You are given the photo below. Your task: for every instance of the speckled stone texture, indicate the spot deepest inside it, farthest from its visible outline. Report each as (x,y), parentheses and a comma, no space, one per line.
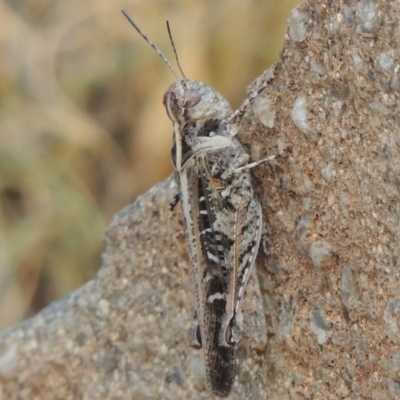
(329,264)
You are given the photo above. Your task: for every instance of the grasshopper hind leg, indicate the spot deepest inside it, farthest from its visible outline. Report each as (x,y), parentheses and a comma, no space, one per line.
(254,323)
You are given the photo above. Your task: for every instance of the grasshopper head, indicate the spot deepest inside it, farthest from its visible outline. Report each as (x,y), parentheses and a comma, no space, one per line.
(188,100)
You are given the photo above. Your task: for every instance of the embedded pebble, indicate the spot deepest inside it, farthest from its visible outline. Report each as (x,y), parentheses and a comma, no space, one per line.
(391,316)
(317,68)
(297,26)
(347,286)
(265,111)
(367,18)
(320,250)
(299,115)
(386,62)
(9,362)
(327,173)
(319,327)
(357,61)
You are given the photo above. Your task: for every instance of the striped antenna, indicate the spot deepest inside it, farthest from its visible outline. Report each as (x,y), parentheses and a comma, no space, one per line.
(173,46)
(152,44)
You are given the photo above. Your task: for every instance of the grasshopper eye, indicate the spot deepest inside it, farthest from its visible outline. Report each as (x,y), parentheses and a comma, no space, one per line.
(189,99)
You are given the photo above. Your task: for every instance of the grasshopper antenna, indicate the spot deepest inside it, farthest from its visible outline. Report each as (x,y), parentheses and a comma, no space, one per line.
(175,52)
(151,44)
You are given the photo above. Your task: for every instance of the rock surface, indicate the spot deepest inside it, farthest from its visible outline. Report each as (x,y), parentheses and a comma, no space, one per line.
(329,263)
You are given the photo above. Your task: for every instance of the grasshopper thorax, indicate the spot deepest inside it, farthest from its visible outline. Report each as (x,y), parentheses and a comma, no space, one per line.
(198,113)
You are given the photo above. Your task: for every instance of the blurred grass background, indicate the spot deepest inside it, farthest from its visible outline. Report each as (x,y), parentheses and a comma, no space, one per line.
(82,127)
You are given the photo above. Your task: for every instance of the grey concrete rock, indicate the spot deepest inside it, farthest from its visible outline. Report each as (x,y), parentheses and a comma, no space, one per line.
(329,263)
